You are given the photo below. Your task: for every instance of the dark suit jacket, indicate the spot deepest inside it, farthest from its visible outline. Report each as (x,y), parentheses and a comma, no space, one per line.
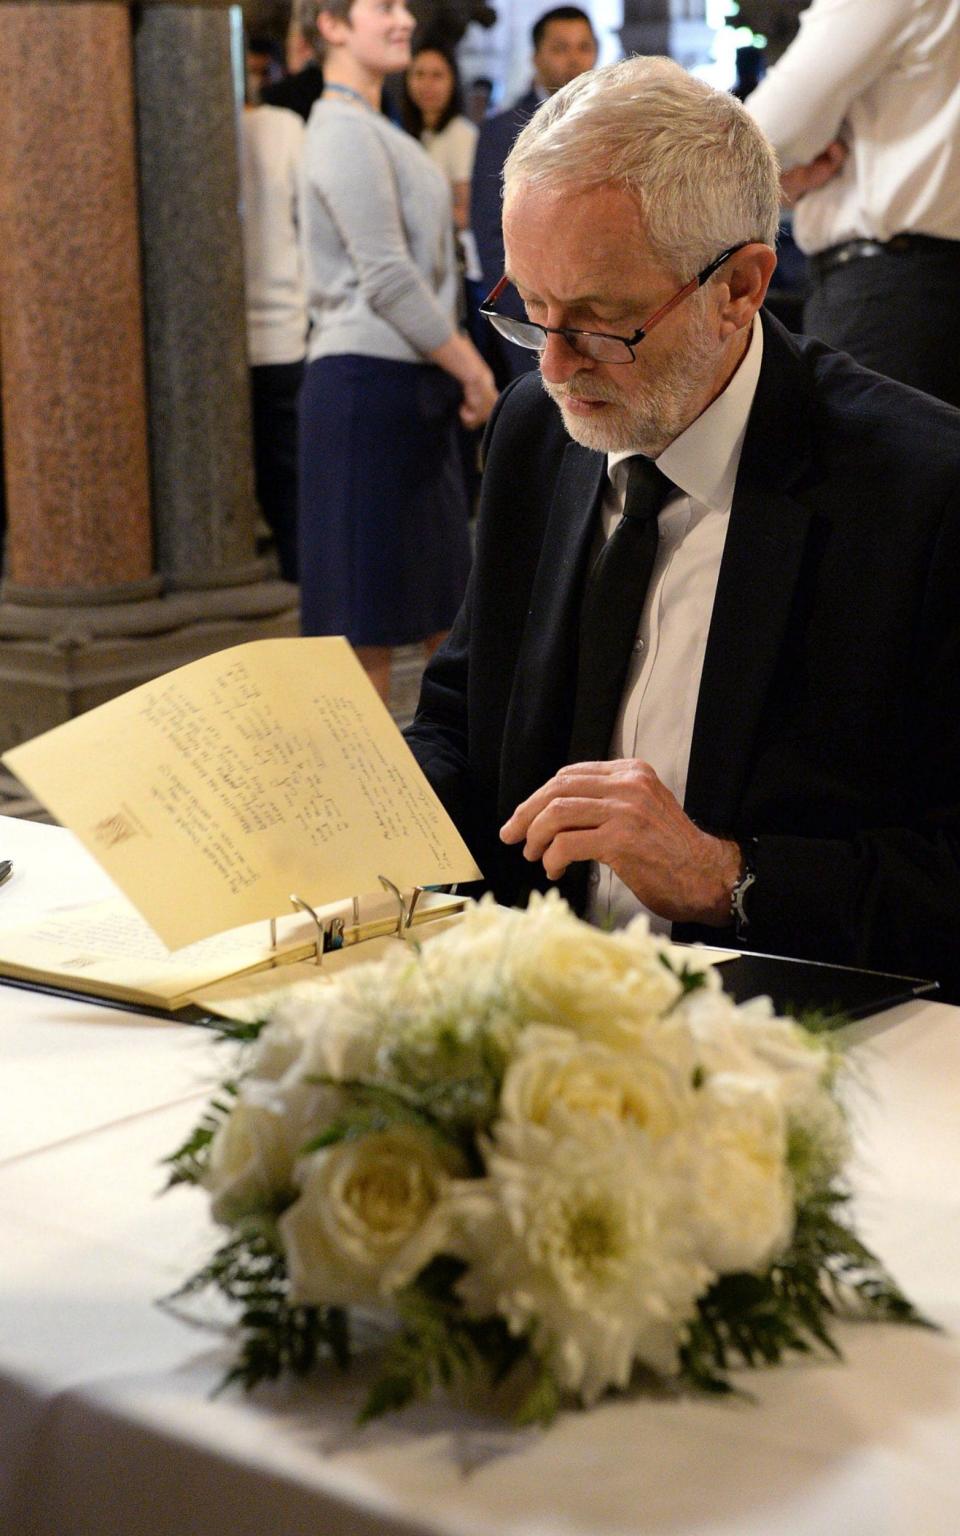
(828,723)
(296,92)
(494,143)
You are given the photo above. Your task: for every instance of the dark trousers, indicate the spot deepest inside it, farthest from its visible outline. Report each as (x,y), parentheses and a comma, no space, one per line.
(274,390)
(898,313)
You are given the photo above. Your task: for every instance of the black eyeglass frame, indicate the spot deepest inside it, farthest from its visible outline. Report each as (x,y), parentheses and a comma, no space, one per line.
(569,334)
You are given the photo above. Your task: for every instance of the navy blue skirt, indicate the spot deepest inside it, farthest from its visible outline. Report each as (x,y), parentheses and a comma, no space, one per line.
(384,542)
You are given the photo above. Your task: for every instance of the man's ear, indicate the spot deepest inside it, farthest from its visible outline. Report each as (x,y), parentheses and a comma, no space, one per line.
(746,277)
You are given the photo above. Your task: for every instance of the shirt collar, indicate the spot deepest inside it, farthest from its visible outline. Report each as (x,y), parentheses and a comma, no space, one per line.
(703,461)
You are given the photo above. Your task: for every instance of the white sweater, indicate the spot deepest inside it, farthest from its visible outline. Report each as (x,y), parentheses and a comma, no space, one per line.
(378,238)
(271,148)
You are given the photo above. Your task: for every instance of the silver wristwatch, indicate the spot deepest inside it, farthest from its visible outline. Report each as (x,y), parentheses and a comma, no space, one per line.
(746,879)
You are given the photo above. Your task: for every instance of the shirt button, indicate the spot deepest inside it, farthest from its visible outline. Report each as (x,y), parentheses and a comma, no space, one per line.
(639,645)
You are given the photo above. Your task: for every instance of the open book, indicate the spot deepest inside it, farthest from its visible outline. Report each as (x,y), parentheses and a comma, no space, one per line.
(257,808)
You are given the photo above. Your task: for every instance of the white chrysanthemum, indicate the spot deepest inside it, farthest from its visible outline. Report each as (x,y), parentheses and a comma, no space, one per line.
(575,1241)
(461,1028)
(369,1216)
(280,1042)
(346,1033)
(742,1194)
(556,1077)
(781,1046)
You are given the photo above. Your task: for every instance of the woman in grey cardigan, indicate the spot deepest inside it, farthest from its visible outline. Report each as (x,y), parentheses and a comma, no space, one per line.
(384,549)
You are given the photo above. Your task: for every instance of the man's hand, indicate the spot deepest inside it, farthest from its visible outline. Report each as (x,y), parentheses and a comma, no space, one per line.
(620,814)
(801,179)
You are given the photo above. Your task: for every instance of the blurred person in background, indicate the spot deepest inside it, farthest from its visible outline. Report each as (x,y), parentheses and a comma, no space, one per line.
(303,82)
(564,46)
(863,109)
(271,144)
(384,542)
(478,98)
(262,66)
(431,109)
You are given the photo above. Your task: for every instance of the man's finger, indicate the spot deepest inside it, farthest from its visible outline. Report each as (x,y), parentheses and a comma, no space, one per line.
(583,779)
(569,848)
(562,814)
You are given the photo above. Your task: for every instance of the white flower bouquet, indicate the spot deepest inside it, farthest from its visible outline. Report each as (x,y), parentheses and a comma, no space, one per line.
(547,1154)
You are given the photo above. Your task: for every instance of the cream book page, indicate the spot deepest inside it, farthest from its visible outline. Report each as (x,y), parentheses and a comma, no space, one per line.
(215,792)
(108,950)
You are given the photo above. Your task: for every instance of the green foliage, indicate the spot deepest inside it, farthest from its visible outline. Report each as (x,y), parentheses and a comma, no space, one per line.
(189,1162)
(818,1021)
(444,1110)
(438,1345)
(543,1401)
(690,979)
(276,1336)
(760,1319)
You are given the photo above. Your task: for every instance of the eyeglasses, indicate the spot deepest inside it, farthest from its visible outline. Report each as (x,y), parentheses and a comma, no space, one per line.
(600,345)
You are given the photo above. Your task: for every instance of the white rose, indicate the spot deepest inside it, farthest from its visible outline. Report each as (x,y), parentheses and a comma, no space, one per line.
(605,986)
(555,1075)
(368,1218)
(252,1154)
(742,1194)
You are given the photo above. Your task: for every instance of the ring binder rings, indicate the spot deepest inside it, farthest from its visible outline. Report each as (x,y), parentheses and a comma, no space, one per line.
(108,953)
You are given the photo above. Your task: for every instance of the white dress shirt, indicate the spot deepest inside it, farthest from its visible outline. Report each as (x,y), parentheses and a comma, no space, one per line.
(655,722)
(884,76)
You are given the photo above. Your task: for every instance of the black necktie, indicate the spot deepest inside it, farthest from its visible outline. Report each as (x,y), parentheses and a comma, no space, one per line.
(612,601)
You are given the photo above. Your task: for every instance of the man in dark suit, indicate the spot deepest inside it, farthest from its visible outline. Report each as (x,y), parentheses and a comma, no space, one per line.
(302,85)
(564,46)
(782,757)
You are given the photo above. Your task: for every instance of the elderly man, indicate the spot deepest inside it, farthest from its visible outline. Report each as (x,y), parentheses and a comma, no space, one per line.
(707,665)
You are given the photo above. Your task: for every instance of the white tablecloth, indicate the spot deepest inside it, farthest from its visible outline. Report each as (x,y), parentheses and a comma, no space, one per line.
(108,1428)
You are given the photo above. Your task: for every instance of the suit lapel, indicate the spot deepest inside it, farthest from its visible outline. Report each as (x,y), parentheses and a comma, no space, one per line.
(537,726)
(761,565)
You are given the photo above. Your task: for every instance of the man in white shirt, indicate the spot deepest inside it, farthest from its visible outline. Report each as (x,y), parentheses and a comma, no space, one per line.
(271,144)
(864,111)
(734,705)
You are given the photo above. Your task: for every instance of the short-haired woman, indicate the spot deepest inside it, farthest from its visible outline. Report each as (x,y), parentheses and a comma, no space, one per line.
(384,544)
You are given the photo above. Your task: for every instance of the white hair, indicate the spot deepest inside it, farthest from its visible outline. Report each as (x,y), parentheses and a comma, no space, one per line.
(702,172)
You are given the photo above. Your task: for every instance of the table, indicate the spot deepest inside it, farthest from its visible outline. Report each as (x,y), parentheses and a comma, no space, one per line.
(108,1428)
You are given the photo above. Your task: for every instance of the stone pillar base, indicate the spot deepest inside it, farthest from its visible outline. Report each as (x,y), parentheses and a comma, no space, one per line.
(58,661)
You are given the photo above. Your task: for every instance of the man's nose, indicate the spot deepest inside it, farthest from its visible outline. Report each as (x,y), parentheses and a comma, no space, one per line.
(558,360)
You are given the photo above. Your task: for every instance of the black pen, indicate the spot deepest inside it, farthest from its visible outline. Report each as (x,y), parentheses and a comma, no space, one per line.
(6,870)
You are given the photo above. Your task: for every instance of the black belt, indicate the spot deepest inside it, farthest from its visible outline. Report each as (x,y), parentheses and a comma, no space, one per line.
(855,250)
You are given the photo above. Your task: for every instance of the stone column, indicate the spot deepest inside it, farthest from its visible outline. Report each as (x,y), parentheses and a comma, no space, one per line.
(188,133)
(74,409)
(89,604)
